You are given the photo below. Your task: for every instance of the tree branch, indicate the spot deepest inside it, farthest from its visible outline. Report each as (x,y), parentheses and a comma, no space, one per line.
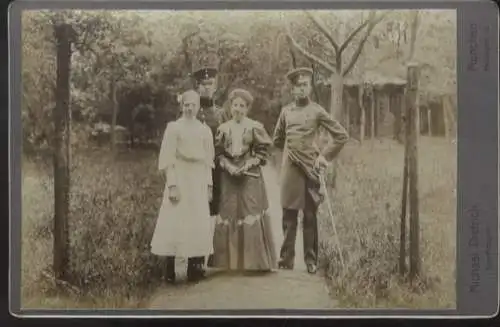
(373,22)
(321,26)
(414,27)
(308,55)
(355,32)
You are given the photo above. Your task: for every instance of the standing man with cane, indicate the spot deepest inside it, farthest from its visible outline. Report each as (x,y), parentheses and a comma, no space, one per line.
(204,74)
(295,133)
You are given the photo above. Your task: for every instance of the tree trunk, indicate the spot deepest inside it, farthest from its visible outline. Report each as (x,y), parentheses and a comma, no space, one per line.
(336,90)
(413,37)
(413,110)
(61,152)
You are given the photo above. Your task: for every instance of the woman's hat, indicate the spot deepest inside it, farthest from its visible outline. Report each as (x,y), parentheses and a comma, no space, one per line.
(241,93)
(189,94)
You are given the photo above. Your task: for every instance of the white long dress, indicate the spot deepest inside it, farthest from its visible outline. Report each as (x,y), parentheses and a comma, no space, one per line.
(184,229)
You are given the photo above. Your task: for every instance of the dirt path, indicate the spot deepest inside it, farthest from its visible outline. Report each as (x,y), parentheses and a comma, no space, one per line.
(278,290)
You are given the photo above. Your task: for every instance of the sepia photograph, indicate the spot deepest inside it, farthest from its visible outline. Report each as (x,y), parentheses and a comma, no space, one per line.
(238,159)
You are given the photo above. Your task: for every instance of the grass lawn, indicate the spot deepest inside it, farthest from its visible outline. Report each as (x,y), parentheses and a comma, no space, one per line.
(115,202)
(367,208)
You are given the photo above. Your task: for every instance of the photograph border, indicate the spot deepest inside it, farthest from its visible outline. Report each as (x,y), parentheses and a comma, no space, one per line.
(477,139)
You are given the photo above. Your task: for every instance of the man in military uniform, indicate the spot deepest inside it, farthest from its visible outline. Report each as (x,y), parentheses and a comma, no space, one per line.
(296,131)
(204,74)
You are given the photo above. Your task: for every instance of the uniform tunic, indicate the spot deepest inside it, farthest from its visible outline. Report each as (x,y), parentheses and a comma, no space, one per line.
(296,133)
(187,155)
(213,116)
(243,238)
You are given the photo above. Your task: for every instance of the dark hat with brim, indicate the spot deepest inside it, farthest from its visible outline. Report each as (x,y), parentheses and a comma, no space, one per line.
(299,72)
(205,66)
(204,73)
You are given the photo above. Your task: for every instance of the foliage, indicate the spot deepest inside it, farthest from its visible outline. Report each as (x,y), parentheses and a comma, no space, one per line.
(149,56)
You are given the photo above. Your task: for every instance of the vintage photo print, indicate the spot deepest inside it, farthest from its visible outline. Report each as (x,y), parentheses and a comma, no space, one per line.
(169,160)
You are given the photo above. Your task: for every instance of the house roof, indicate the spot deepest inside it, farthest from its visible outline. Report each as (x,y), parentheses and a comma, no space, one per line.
(372,78)
(375,79)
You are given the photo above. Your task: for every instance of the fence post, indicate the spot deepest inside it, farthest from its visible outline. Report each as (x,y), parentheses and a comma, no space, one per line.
(404,194)
(63,34)
(413,112)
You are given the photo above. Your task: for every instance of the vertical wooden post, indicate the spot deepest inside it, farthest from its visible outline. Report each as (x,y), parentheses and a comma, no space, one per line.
(404,193)
(413,112)
(403,116)
(372,113)
(446,122)
(418,121)
(376,113)
(429,121)
(61,152)
(362,109)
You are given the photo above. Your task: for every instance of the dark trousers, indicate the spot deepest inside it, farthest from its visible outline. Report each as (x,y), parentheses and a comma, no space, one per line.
(310,234)
(215,203)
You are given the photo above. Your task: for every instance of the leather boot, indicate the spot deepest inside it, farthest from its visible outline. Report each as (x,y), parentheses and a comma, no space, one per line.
(170,271)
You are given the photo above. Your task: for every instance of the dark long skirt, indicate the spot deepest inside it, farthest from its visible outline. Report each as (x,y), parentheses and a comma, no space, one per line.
(243,239)
(216,180)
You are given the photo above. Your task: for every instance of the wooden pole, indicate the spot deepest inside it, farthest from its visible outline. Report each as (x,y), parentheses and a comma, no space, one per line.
(61,152)
(413,110)
(404,198)
(402,118)
(372,113)
(362,122)
(418,119)
(429,121)
(446,122)
(376,112)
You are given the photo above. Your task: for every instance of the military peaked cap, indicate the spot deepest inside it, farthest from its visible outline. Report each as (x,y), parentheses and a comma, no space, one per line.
(298,72)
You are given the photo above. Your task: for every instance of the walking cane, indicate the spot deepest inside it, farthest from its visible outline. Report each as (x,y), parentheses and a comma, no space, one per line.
(330,212)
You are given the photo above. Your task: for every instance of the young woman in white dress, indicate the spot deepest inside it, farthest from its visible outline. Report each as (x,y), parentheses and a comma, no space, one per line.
(183,228)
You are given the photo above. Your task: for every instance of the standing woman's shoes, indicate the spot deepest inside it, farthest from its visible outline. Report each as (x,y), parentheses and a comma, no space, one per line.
(286,266)
(210,260)
(170,273)
(195,271)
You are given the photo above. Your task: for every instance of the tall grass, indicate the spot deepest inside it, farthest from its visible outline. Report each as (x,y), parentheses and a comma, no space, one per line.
(115,200)
(113,206)
(367,208)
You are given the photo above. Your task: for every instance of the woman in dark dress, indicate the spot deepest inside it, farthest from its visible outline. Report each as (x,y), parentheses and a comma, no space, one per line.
(243,239)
